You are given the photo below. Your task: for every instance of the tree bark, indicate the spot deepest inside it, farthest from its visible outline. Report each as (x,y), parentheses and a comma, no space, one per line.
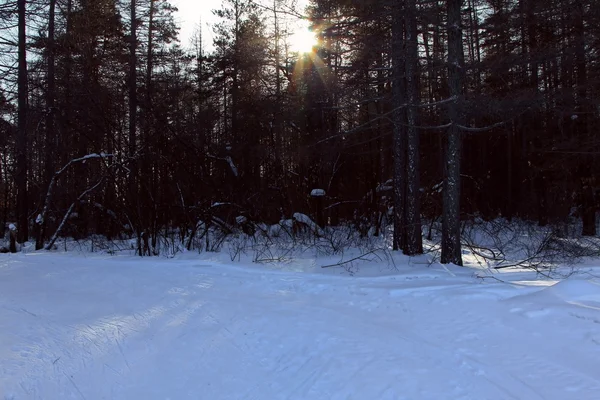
(146,174)
(588,206)
(133,103)
(132,80)
(414,240)
(399,129)
(50,127)
(277,128)
(21,175)
(12,247)
(451,248)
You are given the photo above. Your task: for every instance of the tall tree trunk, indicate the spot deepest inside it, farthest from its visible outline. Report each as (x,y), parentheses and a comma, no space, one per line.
(235,76)
(399,119)
(21,175)
(67,114)
(588,206)
(145,175)
(133,177)
(50,127)
(278,117)
(451,249)
(132,80)
(3,184)
(414,240)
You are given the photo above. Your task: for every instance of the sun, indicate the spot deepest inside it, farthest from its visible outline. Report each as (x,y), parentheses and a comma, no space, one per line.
(303,40)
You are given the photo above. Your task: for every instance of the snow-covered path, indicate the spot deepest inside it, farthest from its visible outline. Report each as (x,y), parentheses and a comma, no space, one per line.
(122,328)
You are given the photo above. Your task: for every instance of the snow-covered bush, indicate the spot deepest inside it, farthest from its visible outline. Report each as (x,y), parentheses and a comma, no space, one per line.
(502,244)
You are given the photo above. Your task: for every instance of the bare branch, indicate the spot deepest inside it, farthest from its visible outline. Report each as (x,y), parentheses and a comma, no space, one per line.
(70,210)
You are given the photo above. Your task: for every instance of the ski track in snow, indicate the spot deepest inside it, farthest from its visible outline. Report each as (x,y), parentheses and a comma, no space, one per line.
(123,328)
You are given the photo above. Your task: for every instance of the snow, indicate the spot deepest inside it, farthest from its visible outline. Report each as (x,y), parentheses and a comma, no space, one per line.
(317,193)
(234,169)
(284,226)
(384,188)
(90,156)
(197,326)
(305,219)
(388,185)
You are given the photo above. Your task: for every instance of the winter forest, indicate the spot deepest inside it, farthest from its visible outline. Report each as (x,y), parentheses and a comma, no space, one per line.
(407,118)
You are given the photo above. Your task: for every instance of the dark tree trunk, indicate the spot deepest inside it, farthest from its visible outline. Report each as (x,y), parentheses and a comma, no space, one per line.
(234,105)
(21,175)
(276,135)
(12,246)
(67,114)
(132,82)
(50,126)
(399,119)
(588,208)
(414,240)
(451,249)
(146,176)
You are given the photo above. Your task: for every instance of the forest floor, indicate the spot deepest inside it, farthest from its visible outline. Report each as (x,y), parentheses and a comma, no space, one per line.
(76,326)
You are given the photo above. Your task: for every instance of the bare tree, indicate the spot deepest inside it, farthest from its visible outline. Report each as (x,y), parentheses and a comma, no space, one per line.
(414,240)
(50,115)
(132,129)
(451,249)
(399,119)
(21,175)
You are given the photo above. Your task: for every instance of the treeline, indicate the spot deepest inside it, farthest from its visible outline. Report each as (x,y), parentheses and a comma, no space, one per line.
(404,110)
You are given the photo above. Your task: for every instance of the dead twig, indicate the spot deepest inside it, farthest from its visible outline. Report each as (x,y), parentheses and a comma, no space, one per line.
(360,257)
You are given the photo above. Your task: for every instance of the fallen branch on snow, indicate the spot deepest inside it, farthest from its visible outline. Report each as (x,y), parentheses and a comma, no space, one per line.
(357,258)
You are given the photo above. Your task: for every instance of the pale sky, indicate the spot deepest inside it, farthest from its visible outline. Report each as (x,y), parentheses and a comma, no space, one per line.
(189,16)
(192,11)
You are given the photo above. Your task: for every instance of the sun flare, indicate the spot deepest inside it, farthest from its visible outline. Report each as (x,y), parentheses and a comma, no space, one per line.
(303,40)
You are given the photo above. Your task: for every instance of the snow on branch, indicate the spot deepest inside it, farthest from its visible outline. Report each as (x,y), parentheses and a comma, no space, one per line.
(70,211)
(227,203)
(42,216)
(305,219)
(232,165)
(229,161)
(82,160)
(483,128)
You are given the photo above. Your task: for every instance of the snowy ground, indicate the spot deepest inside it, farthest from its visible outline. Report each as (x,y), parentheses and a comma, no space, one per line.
(75,327)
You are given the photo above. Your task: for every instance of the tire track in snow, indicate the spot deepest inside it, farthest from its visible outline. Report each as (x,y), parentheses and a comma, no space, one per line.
(231,337)
(528,373)
(96,344)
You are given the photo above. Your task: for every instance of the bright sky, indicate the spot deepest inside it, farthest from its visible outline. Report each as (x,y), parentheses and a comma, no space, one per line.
(192,11)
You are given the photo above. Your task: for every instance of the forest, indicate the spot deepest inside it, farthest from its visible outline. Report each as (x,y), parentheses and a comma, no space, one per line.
(405,115)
